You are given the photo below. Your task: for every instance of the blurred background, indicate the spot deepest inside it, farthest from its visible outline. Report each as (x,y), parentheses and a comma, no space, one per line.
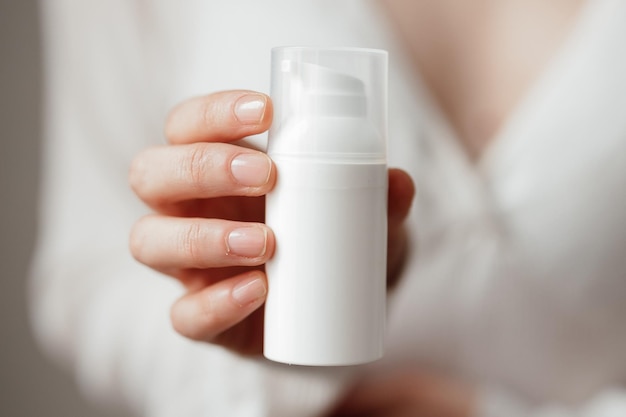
(29,384)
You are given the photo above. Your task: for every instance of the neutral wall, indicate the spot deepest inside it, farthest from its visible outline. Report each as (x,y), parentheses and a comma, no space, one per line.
(29,385)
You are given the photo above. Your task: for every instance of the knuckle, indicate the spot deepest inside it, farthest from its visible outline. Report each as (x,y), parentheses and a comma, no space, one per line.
(188,243)
(196,165)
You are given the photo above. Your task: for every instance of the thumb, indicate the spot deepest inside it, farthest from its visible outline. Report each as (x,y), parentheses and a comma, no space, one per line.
(400,198)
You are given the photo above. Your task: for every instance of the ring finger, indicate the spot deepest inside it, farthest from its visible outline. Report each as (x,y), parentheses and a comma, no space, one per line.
(163,242)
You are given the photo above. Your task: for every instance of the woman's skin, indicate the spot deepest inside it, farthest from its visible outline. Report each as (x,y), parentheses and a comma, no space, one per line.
(477,59)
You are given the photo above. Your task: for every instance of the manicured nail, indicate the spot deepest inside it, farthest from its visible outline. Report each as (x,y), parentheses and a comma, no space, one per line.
(250,109)
(249,291)
(250,242)
(251,169)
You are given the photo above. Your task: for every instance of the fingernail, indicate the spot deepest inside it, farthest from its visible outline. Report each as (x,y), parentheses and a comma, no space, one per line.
(247,292)
(251,169)
(249,109)
(249,242)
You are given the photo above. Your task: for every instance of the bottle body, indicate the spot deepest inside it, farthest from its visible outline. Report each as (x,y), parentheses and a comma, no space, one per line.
(327,278)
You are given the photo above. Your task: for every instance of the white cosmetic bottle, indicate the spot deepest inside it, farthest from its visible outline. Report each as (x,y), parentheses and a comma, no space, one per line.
(328,211)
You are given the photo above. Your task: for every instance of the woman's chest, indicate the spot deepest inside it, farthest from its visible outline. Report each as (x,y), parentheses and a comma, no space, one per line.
(479,58)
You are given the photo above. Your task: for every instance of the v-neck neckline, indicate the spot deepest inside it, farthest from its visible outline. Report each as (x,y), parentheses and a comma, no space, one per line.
(468,188)
(509,131)
(516,123)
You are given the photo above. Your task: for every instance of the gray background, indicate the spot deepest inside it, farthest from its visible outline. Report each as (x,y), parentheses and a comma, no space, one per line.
(29,385)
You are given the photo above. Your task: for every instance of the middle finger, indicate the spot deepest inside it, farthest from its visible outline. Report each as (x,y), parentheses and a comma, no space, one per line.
(169,174)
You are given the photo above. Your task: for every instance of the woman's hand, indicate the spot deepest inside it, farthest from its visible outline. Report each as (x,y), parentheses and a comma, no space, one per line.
(207,230)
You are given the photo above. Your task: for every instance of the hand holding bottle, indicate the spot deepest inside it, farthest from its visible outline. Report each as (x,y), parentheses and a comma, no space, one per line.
(207,230)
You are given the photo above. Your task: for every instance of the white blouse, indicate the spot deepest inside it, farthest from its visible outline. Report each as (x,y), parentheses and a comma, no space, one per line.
(516,278)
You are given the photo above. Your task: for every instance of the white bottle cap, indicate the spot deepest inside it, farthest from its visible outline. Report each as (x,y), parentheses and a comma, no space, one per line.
(309,83)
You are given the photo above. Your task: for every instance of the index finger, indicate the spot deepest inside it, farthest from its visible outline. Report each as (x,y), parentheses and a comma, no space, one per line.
(219,117)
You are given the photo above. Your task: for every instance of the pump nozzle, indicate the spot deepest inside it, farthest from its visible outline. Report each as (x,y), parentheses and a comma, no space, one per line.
(324,91)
